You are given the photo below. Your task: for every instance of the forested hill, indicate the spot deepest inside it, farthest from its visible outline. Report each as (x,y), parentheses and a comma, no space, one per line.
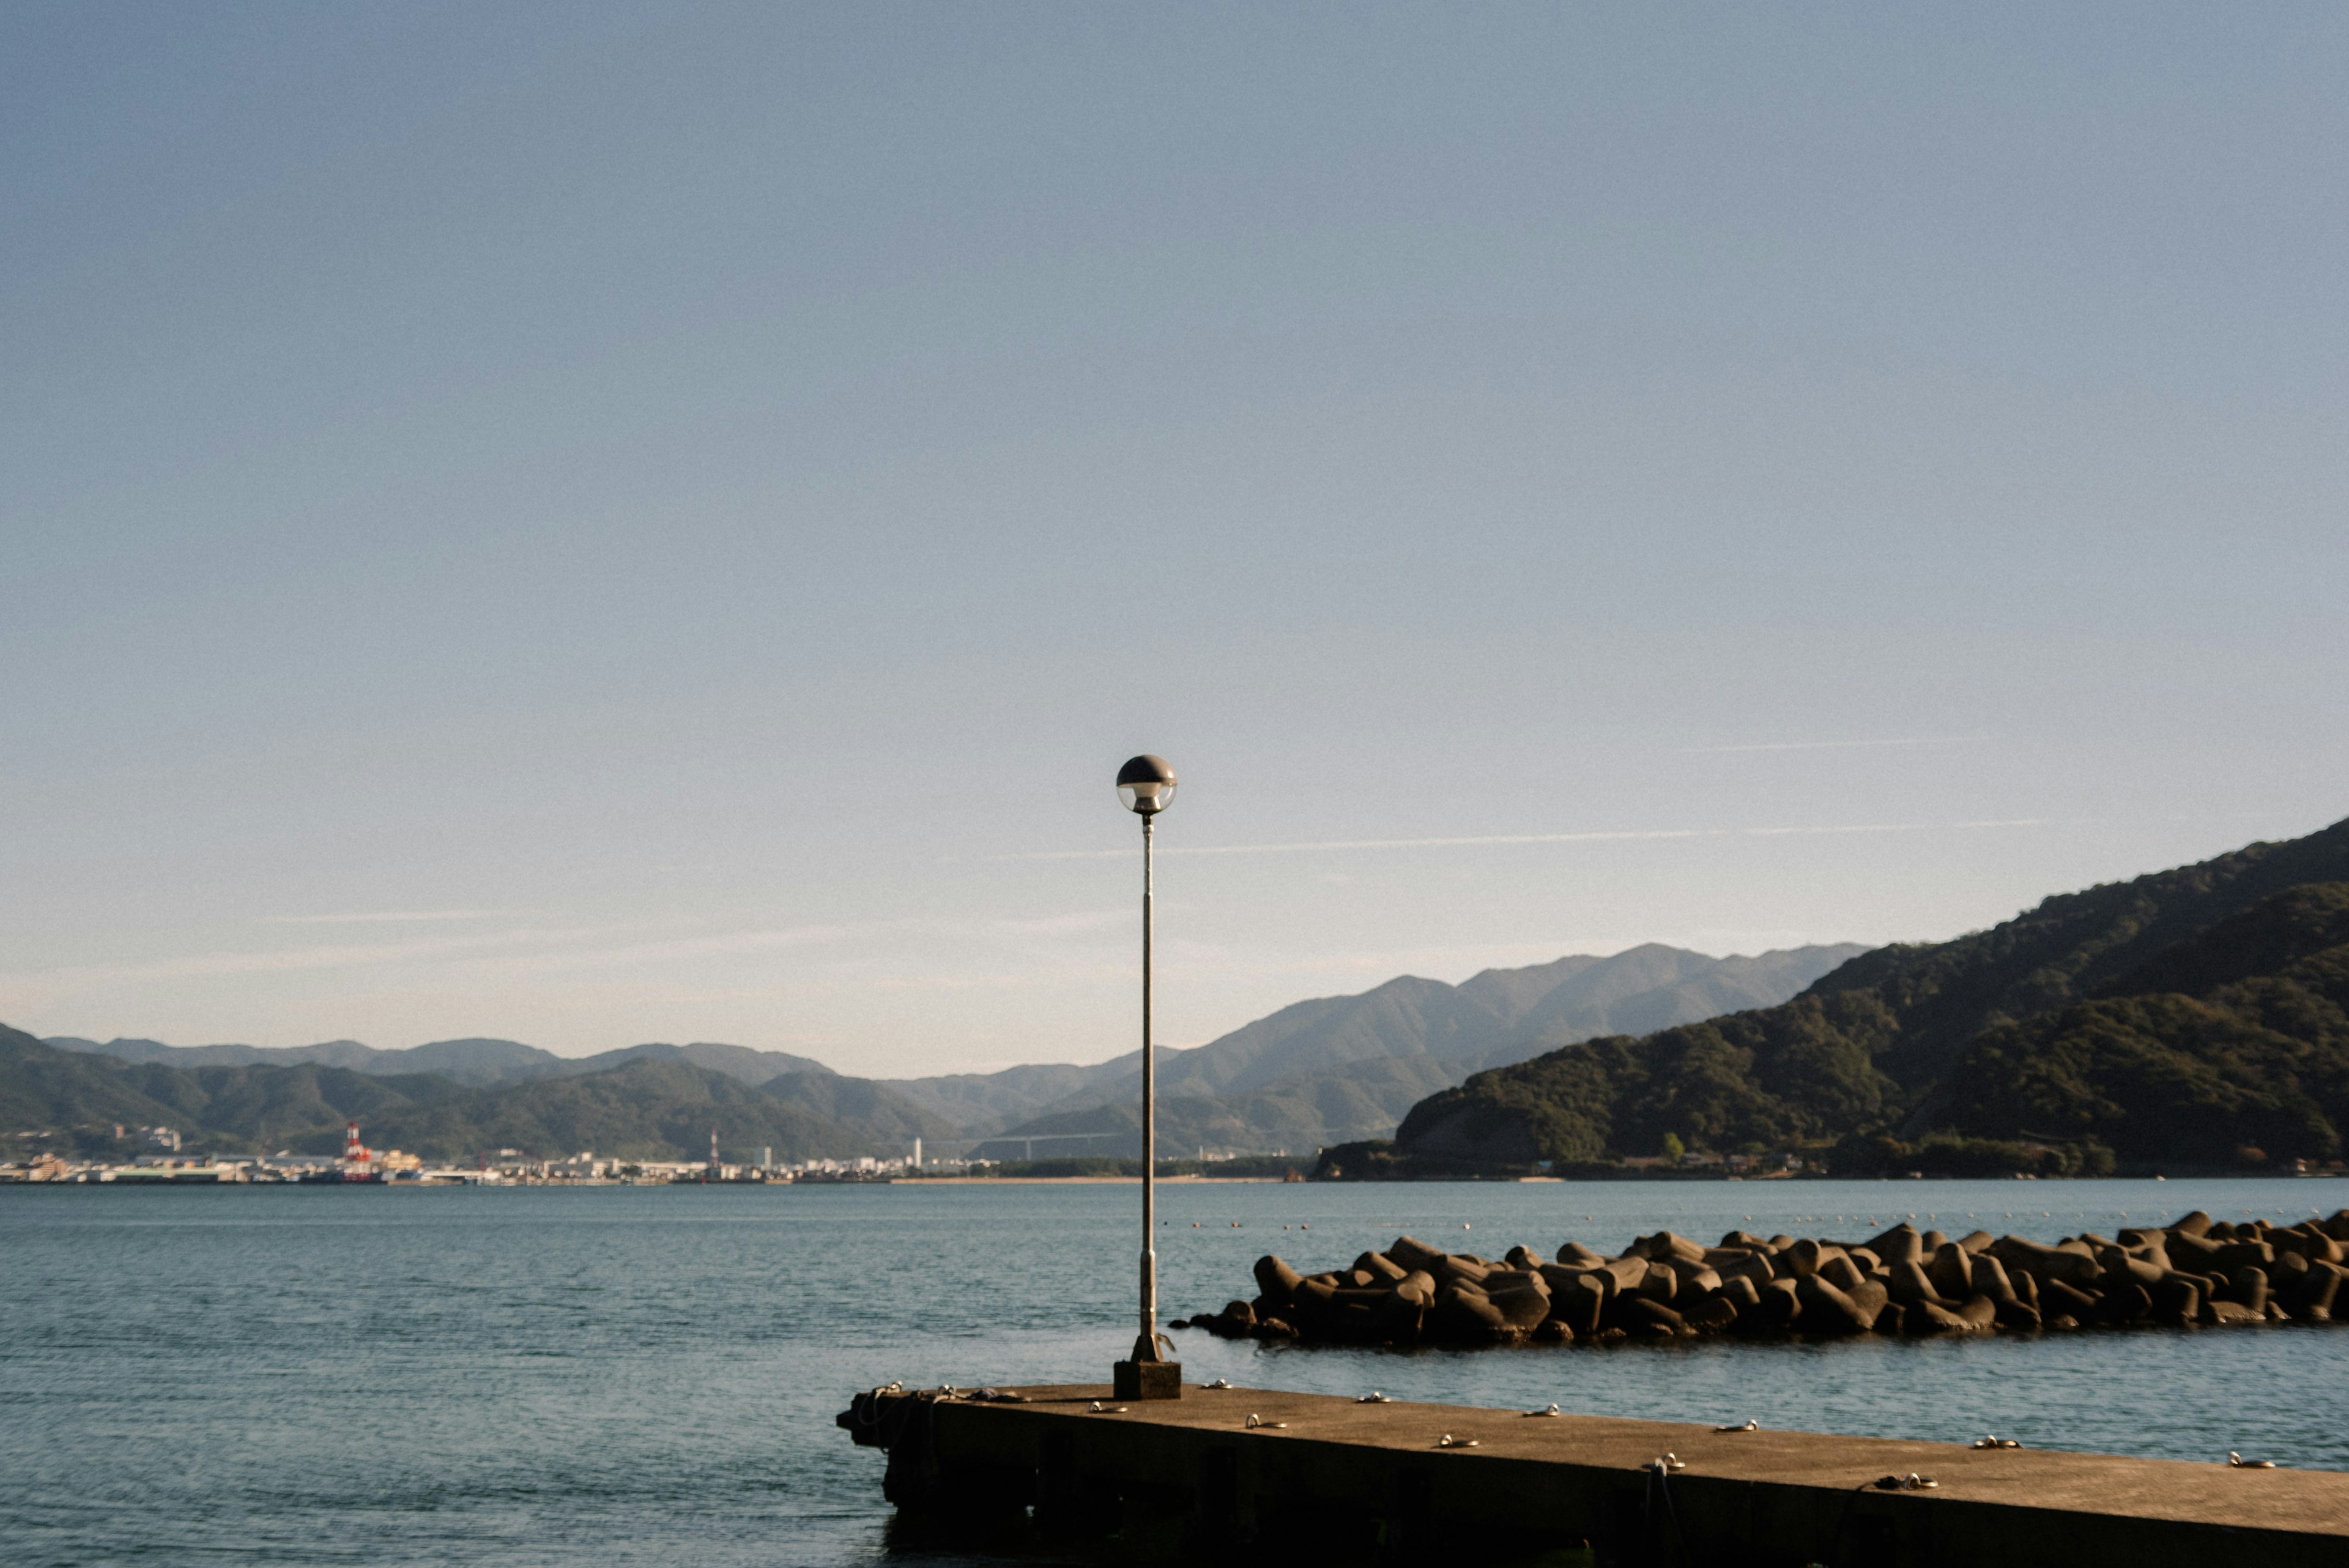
(2199,1016)
(645,1108)
(1311,1074)
(481,1062)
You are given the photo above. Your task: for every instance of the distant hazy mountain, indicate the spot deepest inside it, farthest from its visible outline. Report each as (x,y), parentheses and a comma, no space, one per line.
(1298,1115)
(872,1110)
(1314,1072)
(1321,1072)
(1500,1015)
(656,1107)
(79,1096)
(737,1061)
(649,1108)
(459,1061)
(989,1102)
(332,1053)
(473,1061)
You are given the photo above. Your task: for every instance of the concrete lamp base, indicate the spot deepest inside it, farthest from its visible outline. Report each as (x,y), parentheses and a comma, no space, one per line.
(1137,1380)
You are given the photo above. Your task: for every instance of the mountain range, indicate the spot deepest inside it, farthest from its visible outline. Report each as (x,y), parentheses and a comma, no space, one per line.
(2196,1018)
(477,1062)
(1315,1073)
(645,1108)
(1329,1070)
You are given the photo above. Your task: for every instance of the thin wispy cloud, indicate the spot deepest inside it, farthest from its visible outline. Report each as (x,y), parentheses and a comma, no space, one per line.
(718,944)
(1831,746)
(293,960)
(513,956)
(389,917)
(1079,923)
(1485,839)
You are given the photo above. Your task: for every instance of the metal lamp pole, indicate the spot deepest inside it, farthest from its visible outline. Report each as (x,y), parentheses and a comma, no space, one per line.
(1149,1116)
(1146,785)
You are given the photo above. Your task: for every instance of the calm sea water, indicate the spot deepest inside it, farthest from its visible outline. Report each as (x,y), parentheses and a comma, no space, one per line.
(648,1375)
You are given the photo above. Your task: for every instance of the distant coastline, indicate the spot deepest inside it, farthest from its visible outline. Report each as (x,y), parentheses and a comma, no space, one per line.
(1081,1180)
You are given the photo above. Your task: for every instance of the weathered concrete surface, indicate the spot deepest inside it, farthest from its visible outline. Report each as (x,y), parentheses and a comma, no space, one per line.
(1188,1478)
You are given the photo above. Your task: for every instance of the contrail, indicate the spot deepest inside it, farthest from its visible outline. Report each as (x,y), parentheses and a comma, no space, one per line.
(1493,838)
(1829,745)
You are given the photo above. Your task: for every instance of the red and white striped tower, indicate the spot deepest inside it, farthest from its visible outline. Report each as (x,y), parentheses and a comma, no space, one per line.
(358,1158)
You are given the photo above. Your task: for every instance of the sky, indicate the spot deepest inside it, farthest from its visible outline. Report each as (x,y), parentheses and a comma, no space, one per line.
(590,524)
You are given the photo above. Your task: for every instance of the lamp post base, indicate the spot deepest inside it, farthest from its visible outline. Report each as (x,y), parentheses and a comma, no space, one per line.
(1137,1380)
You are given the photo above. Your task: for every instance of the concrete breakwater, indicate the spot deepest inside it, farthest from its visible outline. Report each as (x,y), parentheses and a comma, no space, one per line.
(1226,1475)
(1906,1282)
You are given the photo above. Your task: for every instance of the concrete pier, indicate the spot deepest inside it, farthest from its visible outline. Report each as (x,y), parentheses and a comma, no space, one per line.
(1193,1480)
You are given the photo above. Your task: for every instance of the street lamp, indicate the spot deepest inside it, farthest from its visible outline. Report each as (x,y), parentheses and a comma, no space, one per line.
(1145,785)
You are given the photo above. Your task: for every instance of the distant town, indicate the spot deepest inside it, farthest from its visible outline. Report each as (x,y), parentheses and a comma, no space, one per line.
(162,1162)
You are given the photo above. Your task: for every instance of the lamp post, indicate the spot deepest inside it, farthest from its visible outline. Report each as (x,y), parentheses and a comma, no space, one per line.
(1147,787)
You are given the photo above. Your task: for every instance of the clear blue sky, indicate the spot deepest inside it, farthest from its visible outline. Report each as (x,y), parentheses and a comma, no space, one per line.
(593,524)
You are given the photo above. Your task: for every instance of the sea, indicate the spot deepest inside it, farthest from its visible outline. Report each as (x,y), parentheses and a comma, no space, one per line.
(646,1378)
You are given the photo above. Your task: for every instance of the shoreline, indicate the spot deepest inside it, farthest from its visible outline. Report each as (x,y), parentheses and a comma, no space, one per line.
(1068,1180)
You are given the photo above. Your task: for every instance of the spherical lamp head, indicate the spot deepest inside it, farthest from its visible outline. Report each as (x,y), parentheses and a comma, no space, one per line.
(1146,785)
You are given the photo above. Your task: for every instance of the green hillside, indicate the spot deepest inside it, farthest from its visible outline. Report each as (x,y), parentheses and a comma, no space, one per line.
(647,1109)
(874,1110)
(42,1088)
(641,1110)
(2232,1045)
(2193,1017)
(79,1098)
